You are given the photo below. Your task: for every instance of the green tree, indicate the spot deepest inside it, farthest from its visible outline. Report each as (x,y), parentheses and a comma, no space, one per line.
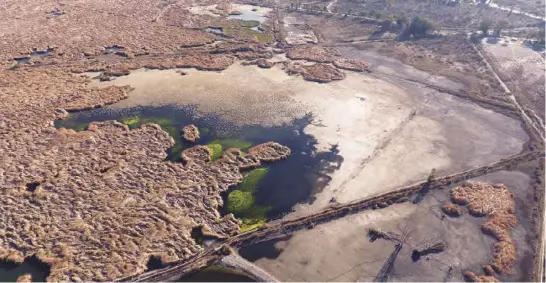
(484,26)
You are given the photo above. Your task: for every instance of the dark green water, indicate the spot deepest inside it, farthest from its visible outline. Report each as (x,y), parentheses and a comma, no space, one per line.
(9,271)
(216,274)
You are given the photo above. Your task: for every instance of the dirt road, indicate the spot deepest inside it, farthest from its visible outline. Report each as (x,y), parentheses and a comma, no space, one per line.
(538,129)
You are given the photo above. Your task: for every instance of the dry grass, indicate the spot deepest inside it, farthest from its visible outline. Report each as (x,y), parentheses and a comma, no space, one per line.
(451,209)
(352,65)
(111,199)
(190,133)
(27,277)
(497,203)
(87,27)
(473,277)
(312,53)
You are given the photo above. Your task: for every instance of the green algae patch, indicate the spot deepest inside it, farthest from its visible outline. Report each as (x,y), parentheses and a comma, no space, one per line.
(80,127)
(252,178)
(252,224)
(242,201)
(137,121)
(233,143)
(130,121)
(216,150)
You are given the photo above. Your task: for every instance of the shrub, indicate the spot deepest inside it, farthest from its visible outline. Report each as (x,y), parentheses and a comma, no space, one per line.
(419,27)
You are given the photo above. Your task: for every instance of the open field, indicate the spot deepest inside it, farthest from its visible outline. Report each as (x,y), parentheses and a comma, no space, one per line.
(365,137)
(521,68)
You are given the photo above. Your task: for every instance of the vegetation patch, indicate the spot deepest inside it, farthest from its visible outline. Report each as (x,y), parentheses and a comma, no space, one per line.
(248,24)
(263,37)
(216,150)
(242,201)
(252,178)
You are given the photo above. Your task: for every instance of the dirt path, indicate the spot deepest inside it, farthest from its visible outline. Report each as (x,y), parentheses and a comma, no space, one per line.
(537,128)
(329,6)
(516,11)
(162,12)
(234,261)
(380,147)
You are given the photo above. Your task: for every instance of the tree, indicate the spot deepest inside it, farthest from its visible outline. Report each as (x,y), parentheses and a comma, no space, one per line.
(500,26)
(484,26)
(402,21)
(419,27)
(540,35)
(387,24)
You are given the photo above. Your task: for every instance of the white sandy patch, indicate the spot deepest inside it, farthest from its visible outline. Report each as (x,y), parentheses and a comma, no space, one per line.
(204,10)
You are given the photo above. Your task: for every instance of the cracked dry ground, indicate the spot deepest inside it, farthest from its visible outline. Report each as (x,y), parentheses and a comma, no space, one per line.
(96,204)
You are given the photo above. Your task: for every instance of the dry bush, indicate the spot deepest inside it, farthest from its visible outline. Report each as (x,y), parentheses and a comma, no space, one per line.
(190,133)
(322,73)
(27,277)
(312,53)
(352,65)
(497,203)
(451,209)
(473,277)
